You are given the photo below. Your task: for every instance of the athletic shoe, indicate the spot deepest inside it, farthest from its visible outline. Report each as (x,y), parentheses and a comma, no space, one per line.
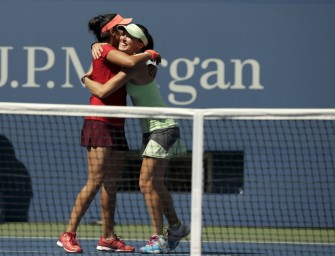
(69,242)
(174,236)
(156,245)
(113,245)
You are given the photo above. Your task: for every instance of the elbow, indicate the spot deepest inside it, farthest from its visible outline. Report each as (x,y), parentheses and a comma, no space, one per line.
(102,95)
(99,93)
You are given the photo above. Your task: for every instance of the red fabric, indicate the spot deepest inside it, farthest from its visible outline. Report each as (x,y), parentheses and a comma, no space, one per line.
(101,134)
(153,53)
(103,70)
(118,20)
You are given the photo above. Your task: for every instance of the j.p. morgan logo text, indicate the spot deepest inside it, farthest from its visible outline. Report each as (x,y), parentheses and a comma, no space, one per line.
(187,76)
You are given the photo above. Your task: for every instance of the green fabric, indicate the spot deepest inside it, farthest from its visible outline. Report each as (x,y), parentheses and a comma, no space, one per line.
(149,96)
(153,149)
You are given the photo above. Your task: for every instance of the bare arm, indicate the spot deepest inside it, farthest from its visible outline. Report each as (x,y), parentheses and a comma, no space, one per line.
(104,90)
(128,61)
(122,59)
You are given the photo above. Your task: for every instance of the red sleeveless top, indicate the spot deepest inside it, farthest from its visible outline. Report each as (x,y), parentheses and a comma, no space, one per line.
(103,70)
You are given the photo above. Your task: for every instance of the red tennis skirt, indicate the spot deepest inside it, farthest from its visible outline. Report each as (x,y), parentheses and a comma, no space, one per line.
(96,133)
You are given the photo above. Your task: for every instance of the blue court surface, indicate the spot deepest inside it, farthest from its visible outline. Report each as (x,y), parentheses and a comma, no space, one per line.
(47,246)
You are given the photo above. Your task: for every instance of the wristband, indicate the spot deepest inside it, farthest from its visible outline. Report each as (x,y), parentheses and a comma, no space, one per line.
(153,53)
(83,79)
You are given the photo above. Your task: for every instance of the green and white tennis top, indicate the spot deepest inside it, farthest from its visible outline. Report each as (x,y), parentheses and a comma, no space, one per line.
(148,95)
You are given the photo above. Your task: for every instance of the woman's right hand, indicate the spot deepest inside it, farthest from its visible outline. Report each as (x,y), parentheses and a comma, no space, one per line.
(96,50)
(155,56)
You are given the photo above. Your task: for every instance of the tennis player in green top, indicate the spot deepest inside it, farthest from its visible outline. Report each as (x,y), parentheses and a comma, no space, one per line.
(161,140)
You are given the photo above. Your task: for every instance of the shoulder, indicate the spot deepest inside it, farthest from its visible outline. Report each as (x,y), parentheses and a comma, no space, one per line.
(106,49)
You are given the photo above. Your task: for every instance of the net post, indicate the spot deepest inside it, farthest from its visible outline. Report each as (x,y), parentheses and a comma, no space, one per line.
(197,181)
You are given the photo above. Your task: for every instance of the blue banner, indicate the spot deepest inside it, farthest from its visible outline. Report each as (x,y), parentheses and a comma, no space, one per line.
(221,54)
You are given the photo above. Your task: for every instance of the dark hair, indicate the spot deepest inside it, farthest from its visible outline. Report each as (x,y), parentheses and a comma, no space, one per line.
(97,23)
(150,44)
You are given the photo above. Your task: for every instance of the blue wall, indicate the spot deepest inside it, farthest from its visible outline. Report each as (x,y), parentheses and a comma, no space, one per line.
(215,53)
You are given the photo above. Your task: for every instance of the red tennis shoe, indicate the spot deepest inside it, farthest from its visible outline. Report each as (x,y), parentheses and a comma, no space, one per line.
(114,245)
(69,242)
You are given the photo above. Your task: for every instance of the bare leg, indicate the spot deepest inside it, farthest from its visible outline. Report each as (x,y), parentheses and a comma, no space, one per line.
(86,195)
(109,190)
(157,197)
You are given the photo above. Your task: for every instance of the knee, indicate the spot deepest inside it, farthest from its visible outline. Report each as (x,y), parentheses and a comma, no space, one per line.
(145,185)
(148,185)
(95,183)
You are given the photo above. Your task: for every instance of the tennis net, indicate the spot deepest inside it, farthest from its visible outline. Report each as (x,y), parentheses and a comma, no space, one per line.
(254,181)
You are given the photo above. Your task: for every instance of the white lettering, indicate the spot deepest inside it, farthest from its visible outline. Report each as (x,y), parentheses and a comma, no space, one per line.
(180,88)
(255,67)
(186,79)
(4,64)
(71,56)
(218,74)
(31,64)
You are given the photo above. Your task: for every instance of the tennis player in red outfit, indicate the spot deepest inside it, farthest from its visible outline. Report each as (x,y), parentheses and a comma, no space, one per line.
(104,139)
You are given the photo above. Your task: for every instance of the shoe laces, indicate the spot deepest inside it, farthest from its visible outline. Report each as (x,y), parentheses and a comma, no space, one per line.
(117,239)
(72,239)
(152,240)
